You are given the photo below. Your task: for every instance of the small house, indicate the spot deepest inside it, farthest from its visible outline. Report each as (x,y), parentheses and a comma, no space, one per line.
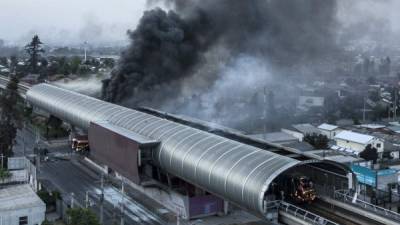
(20,205)
(358,142)
(329,130)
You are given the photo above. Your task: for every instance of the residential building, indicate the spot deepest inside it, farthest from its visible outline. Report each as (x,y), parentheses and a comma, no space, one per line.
(307,102)
(329,130)
(19,205)
(300,130)
(358,142)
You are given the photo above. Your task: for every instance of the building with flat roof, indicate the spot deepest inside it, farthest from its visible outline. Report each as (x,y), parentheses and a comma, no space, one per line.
(19,205)
(329,130)
(357,142)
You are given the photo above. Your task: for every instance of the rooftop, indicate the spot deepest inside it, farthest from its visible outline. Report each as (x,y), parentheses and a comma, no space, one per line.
(302,146)
(343,158)
(141,140)
(354,137)
(275,137)
(373,126)
(306,128)
(327,127)
(19,197)
(395,129)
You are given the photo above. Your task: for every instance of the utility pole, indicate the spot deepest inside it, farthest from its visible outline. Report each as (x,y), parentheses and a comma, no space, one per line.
(87,199)
(395,105)
(72,200)
(102,199)
(37,137)
(23,139)
(265,114)
(364,111)
(122,202)
(85,49)
(2,160)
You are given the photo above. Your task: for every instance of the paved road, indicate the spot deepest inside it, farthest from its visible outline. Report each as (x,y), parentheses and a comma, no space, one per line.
(71,177)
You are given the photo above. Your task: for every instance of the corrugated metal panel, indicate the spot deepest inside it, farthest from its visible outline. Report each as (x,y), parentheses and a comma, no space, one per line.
(237,172)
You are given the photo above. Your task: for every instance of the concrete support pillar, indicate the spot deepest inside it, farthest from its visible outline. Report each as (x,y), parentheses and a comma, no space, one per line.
(226,207)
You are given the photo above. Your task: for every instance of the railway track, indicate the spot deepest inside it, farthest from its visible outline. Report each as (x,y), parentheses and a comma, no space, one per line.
(23,87)
(337,214)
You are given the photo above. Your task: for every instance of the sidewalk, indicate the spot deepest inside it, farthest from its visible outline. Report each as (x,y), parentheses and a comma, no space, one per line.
(237,217)
(163,213)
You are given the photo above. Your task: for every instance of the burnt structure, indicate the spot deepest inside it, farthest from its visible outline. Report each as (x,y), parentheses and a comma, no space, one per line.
(119,148)
(229,168)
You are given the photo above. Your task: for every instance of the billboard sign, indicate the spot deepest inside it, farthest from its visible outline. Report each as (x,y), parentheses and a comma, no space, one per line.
(365,175)
(379,178)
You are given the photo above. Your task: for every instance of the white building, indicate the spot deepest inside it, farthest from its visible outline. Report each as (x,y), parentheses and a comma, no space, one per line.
(300,130)
(329,130)
(357,142)
(19,205)
(306,102)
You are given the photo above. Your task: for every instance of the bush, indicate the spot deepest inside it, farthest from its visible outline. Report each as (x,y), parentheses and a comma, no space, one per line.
(46,222)
(4,174)
(49,198)
(370,154)
(80,216)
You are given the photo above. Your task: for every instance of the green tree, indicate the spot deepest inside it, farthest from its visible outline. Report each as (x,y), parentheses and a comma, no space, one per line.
(34,50)
(54,124)
(3,61)
(75,64)
(80,216)
(10,116)
(49,198)
(4,174)
(64,66)
(83,70)
(109,62)
(13,63)
(356,121)
(379,112)
(318,141)
(46,222)
(369,153)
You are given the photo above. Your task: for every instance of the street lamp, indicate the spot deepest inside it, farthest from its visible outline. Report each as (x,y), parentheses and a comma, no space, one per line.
(2,160)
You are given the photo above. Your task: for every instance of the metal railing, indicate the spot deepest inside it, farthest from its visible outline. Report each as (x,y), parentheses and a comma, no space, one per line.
(304,214)
(348,197)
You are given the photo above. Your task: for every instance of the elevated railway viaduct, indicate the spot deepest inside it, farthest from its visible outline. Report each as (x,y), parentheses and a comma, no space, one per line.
(229,165)
(226,164)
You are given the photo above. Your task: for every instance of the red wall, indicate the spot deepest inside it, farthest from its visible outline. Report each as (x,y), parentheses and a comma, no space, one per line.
(116,151)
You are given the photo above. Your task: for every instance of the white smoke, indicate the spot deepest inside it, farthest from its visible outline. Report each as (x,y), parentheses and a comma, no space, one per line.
(224,101)
(89,85)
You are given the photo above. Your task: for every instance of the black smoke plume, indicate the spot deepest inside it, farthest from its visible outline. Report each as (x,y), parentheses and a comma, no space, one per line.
(197,39)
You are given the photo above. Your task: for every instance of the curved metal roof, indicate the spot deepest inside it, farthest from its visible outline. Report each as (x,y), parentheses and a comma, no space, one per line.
(237,172)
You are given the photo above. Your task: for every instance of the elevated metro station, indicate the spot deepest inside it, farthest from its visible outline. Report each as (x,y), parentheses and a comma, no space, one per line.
(211,169)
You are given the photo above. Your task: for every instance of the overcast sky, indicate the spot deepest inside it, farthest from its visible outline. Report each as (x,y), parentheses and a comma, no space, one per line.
(68,21)
(102,22)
